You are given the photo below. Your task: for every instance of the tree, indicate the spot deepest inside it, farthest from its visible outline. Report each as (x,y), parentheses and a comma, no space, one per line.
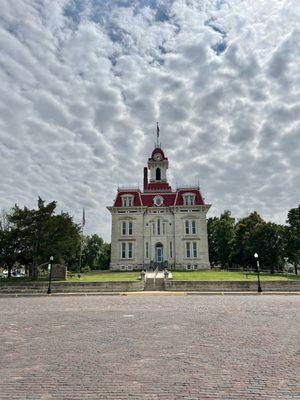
(292,237)
(268,240)
(220,236)
(244,244)
(96,253)
(35,235)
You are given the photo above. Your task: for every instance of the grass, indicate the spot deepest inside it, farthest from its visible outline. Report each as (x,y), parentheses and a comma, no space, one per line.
(228,276)
(106,276)
(94,276)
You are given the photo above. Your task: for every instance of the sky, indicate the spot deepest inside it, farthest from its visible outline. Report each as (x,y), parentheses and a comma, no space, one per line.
(83,83)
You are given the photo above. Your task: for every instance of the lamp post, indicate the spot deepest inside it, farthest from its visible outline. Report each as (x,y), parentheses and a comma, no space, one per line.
(259,289)
(50,273)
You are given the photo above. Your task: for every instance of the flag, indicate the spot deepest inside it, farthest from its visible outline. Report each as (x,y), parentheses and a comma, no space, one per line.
(157,129)
(83,217)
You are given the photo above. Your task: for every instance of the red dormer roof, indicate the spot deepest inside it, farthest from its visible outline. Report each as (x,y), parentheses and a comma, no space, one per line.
(198,198)
(135,193)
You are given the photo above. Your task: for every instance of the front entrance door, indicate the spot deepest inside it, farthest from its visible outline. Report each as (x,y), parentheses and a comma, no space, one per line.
(159,253)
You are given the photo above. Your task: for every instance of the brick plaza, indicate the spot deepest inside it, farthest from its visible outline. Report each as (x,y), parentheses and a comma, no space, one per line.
(150,347)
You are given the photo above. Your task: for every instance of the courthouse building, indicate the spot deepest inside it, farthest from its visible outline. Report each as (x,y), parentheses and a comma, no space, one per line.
(158,226)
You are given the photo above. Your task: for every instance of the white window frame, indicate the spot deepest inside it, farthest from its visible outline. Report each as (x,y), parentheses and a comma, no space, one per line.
(195,249)
(189,199)
(130,228)
(188,249)
(158,227)
(195,266)
(127,200)
(187,227)
(194,227)
(188,267)
(129,250)
(123,250)
(123,228)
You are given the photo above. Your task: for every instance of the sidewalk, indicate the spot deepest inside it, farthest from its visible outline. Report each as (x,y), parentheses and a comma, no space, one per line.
(148,293)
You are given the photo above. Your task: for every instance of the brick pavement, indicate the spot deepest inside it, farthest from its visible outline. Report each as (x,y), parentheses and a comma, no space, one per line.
(168,348)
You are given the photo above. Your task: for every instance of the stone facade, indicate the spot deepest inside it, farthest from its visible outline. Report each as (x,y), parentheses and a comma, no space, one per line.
(159,226)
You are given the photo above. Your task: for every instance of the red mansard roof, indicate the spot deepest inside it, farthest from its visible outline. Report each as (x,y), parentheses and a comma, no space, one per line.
(157,186)
(170,199)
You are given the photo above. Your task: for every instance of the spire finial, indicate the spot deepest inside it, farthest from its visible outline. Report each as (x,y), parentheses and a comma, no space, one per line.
(157,133)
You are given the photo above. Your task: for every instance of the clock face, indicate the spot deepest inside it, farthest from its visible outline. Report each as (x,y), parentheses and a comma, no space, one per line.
(157,157)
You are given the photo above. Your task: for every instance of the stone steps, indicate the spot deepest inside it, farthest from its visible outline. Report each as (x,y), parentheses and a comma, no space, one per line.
(157,285)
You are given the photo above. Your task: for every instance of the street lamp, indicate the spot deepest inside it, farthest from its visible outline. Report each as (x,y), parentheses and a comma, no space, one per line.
(259,289)
(50,273)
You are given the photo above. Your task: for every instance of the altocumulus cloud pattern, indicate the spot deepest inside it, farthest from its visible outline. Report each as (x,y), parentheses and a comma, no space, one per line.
(83,82)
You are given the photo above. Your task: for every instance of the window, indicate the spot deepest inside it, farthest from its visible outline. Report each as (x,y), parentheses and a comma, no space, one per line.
(127,201)
(188,266)
(157,174)
(129,250)
(171,250)
(187,227)
(188,249)
(194,231)
(123,230)
(123,267)
(158,226)
(153,229)
(129,268)
(195,253)
(164,228)
(123,250)
(196,266)
(147,250)
(158,200)
(130,228)
(189,199)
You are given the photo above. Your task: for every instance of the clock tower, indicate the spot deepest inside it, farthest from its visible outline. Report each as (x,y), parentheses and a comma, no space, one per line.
(159,226)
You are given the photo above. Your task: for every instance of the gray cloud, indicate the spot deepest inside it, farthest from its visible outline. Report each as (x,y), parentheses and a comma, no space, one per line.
(83,83)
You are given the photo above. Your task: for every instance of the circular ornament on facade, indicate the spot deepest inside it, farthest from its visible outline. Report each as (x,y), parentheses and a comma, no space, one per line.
(158,200)
(157,157)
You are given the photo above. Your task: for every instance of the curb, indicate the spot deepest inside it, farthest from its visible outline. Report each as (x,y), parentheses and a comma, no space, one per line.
(148,293)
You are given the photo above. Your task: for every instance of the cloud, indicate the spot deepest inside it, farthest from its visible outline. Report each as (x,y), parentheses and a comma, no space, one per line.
(83,83)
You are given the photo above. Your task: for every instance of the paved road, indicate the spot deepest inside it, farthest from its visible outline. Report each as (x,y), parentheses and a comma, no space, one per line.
(115,347)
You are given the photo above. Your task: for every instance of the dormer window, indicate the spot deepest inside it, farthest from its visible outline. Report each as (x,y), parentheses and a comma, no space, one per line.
(189,199)
(158,200)
(127,200)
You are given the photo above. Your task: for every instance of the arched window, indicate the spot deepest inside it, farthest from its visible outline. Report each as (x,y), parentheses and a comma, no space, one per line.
(158,174)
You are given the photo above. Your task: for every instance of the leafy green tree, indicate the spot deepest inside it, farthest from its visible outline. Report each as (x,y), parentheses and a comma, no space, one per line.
(292,237)
(268,239)
(220,236)
(96,253)
(35,235)
(244,244)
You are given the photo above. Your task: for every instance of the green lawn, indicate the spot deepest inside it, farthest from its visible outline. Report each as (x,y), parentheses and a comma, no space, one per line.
(105,276)
(94,276)
(227,276)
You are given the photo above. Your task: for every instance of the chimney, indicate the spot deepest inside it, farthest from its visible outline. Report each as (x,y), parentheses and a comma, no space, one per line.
(145,178)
